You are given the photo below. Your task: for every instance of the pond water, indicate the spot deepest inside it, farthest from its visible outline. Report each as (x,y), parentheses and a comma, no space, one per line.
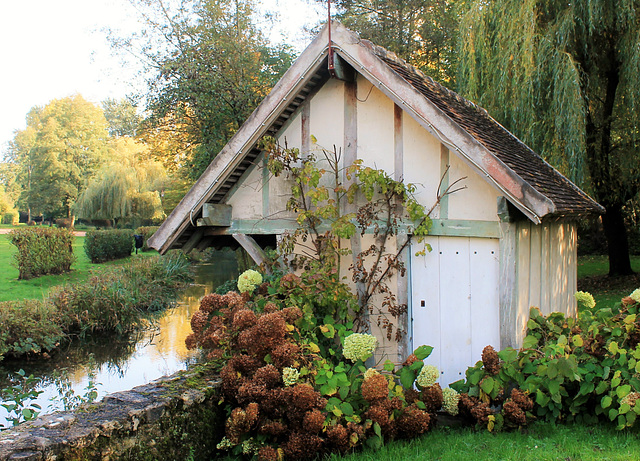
(121,364)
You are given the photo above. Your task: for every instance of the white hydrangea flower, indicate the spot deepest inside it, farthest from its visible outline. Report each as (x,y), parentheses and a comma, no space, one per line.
(635,295)
(428,376)
(359,346)
(290,376)
(451,399)
(249,280)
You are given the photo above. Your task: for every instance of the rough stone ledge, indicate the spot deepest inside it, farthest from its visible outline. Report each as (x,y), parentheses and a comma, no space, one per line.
(118,421)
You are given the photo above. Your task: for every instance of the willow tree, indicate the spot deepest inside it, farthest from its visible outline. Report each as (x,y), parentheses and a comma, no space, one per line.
(129,187)
(563,77)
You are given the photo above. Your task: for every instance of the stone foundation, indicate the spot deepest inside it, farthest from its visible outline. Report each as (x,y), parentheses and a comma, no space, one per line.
(173,418)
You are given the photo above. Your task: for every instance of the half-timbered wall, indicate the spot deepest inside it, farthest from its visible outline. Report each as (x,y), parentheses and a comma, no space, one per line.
(531,263)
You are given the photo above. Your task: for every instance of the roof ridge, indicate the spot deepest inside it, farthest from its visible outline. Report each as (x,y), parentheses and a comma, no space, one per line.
(382,52)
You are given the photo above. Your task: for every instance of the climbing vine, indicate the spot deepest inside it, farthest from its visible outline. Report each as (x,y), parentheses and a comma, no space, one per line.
(336,206)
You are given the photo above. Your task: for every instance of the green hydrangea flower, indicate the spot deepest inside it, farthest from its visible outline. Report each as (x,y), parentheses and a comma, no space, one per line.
(585,299)
(249,280)
(225,444)
(250,447)
(635,295)
(359,346)
(290,376)
(451,399)
(428,376)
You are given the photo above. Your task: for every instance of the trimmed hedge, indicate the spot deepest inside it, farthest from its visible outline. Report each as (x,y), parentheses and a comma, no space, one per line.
(107,245)
(146,232)
(42,250)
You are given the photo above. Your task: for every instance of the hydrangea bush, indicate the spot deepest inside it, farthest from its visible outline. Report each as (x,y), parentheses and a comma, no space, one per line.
(295,385)
(584,370)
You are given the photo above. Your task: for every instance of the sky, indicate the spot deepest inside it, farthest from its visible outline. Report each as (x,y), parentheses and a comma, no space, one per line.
(56,48)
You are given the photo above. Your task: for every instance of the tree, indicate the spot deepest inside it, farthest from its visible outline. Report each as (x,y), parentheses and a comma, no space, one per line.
(210,68)
(421,32)
(563,77)
(61,147)
(128,187)
(122,117)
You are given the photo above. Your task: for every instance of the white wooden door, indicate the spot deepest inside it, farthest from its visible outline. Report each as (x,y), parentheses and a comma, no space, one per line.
(454,302)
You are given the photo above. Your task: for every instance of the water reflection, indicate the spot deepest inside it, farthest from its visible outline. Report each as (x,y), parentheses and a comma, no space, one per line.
(123,363)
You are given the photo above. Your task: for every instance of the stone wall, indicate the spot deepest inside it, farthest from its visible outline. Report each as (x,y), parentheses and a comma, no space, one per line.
(174,418)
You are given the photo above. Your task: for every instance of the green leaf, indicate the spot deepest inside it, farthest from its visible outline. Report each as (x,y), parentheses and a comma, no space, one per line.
(541,398)
(487,384)
(606,401)
(554,387)
(612,414)
(407,377)
(346,408)
(622,391)
(508,355)
(423,352)
(530,342)
(377,429)
(475,376)
(388,366)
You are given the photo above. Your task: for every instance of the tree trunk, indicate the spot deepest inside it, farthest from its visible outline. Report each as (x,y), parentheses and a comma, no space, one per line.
(617,243)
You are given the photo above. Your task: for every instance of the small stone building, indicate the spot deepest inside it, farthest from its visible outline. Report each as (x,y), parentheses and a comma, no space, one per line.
(504,243)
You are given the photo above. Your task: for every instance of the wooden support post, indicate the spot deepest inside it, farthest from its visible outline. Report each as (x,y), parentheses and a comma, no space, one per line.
(252,248)
(193,240)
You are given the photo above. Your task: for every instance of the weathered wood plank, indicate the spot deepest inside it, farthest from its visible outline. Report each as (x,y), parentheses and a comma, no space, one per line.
(252,248)
(508,294)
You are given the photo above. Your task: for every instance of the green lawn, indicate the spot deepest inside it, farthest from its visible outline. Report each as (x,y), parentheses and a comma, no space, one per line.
(592,277)
(538,442)
(12,289)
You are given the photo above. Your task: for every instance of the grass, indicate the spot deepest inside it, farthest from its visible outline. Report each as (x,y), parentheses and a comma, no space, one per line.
(538,442)
(13,289)
(592,277)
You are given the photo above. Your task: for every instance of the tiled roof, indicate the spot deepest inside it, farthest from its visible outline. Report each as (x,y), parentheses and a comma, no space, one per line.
(568,199)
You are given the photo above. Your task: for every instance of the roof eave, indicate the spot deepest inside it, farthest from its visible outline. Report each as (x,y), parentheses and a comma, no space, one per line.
(245,138)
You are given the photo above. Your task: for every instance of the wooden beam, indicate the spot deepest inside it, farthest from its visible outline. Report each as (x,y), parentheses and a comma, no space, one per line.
(508,285)
(193,240)
(252,248)
(215,214)
(444,174)
(398,144)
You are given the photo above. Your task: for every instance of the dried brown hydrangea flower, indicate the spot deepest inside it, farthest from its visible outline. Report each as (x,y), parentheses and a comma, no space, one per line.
(491,360)
(313,421)
(410,360)
(267,453)
(521,399)
(375,387)
(285,354)
(302,446)
(413,421)
(432,397)
(338,438)
(513,413)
